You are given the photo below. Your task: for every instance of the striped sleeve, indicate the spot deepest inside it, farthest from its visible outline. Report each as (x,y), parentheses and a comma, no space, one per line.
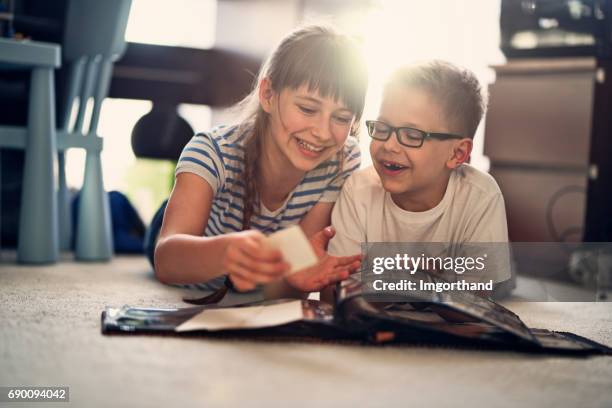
(203,157)
(351,162)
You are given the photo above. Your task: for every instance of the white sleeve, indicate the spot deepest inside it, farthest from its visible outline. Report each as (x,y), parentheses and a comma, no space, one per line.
(489,226)
(345,219)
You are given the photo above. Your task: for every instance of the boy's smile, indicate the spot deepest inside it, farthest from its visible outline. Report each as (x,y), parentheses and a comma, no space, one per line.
(392,168)
(415,177)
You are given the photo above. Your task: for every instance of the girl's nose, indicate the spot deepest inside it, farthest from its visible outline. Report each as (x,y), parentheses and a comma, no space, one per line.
(322,129)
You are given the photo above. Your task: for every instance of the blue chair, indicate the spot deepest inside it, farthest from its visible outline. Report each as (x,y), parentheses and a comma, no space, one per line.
(38,222)
(93,40)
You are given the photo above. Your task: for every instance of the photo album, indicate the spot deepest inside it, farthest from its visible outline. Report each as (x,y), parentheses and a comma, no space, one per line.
(456,319)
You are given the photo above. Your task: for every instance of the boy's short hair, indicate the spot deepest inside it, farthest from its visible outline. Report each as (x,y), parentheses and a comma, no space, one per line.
(457,89)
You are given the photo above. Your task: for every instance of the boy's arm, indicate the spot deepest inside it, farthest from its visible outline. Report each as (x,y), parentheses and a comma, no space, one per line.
(490,224)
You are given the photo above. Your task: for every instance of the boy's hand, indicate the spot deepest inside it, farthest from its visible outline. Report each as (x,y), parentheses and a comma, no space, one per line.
(330,269)
(248,262)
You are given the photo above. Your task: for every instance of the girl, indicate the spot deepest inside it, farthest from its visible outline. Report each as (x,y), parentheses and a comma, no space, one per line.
(285,163)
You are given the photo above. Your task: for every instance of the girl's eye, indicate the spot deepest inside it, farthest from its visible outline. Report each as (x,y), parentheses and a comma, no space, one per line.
(306,110)
(343,119)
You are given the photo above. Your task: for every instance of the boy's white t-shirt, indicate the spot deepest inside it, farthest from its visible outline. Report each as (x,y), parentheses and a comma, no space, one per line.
(471,211)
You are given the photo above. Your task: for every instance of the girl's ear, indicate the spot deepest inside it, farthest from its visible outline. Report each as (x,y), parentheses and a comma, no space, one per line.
(461,153)
(266,94)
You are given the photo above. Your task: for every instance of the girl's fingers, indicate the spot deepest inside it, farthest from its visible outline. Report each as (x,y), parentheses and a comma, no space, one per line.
(235,255)
(274,268)
(267,254)
(257,250)
(242,285)
(246,274)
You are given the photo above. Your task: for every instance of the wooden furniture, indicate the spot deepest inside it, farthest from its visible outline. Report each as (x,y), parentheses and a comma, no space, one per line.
(548,138)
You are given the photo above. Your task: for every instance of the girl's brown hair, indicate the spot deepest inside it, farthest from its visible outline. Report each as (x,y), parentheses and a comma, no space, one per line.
(317,56)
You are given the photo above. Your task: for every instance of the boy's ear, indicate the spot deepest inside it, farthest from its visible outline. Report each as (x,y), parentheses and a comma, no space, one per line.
(266,94)
(461,153)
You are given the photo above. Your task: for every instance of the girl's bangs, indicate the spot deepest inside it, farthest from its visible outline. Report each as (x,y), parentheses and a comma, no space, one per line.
(331,71)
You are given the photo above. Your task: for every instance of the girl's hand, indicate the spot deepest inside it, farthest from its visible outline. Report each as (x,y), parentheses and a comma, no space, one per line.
(330,269)
(248,262)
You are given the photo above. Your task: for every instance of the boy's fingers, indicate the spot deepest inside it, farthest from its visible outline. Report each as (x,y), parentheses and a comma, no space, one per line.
(320,240)
(338,275)
(354,267)
(347,260)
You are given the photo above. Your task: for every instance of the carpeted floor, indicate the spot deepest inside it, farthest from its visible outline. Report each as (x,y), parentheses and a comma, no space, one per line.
(50,336)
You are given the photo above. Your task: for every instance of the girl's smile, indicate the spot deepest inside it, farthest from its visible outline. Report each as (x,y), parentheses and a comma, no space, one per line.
(312,150)
(306,127)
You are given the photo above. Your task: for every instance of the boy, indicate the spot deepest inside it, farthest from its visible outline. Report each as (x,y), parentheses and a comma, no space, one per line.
(420,188)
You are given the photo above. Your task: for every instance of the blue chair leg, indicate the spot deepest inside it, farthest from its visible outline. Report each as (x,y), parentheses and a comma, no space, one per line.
(75,80)
(94,241)
(63,202)
(38,224)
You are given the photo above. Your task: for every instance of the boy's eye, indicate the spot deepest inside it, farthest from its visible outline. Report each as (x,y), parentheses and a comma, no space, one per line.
(380,130)
(412,134)
(306,109)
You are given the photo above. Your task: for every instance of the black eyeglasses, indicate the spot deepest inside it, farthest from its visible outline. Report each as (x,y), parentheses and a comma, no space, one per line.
(406,136)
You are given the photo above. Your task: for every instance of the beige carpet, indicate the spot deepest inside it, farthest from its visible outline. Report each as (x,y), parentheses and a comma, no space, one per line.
(50,336)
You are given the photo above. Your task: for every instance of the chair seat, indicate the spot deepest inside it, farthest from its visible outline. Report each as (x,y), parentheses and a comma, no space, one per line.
(14,137)
(25,53)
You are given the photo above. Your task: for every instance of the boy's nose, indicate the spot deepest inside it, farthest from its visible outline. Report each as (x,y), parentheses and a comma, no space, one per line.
(392,144)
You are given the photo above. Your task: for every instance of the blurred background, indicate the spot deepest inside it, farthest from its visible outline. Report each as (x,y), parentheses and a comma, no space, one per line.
(393,32)
(546,138)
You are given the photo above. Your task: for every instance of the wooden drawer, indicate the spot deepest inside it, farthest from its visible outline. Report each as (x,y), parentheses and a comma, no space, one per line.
(540,113)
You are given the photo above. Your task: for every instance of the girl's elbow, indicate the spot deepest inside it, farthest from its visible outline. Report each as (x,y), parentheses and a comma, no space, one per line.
(162,273)
(162,276)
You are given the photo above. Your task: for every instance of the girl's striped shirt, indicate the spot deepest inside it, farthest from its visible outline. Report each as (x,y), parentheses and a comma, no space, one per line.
(218,157)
